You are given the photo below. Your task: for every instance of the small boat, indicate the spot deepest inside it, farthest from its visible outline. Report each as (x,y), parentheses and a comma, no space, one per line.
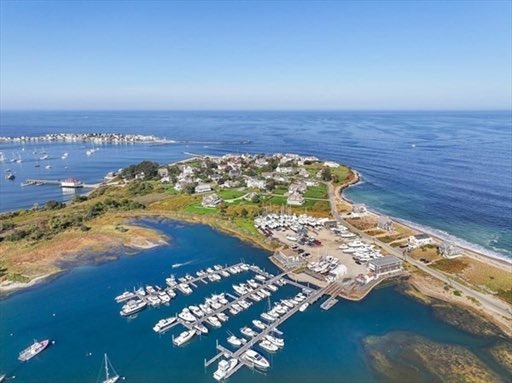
(185,288)
(164,324)
(268,346)
(224,368)
(303,307)
(213,321)
(256,359)
(125,296)
(268,317)
(108,378)
(259,324)
(186,315)
(260,277)
(132,307)
(223,317)
(196,311)
(33,350)
(10,176)
(277,341)
(247,331)
(2,378)
(183,338)
(201,328)
(237,342)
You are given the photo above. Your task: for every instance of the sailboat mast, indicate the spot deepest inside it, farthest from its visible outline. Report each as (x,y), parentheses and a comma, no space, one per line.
(106,366)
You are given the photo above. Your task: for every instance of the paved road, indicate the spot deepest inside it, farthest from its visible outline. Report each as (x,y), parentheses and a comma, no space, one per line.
(488,301)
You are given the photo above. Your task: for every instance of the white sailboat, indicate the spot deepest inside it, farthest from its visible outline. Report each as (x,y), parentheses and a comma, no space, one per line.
(110,379)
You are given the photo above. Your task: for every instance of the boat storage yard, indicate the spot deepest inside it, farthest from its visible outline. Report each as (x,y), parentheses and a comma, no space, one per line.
(246,349)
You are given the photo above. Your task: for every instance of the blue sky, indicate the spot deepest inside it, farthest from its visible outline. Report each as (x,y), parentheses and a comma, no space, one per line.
(255,55)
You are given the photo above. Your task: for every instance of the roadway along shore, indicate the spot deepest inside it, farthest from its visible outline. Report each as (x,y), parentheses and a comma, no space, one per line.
(488,302)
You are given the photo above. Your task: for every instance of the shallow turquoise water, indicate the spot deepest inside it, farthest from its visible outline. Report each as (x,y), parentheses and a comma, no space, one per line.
(77,310)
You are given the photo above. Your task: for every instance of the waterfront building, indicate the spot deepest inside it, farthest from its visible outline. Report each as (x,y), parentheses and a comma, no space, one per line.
(331,164)
(419,240)
(288,258)
(449,250)
(385,265)
(385,223)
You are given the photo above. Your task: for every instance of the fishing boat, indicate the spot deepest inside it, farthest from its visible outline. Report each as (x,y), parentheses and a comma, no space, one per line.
(256,359)
(33,350)
(108,378)
(237,342)
(224,368)
(268,346)
(184,337)
(164,324)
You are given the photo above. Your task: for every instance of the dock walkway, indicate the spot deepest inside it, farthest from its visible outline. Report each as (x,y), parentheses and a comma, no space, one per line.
(312,297)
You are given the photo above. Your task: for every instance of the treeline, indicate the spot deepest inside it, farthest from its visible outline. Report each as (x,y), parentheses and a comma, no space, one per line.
(148,169)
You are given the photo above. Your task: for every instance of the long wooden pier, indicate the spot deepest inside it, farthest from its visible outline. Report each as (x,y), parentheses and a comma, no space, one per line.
(38,182)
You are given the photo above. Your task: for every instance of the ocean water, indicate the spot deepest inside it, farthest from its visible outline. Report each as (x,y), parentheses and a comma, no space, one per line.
(78,311)
(450,172)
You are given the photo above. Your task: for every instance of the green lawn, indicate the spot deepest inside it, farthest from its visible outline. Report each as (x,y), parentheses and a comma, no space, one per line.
(319,191)
(342,172)
(230,193)
(200,210)
(312,204)
(275,200)
(280,190)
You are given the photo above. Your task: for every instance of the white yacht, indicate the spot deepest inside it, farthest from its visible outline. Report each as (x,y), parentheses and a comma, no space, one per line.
(247,331)
(162,295)
(260,277)
(268,317)
(303,307)
(196,311)
(259,324)
(213,321)
(132,307)
(237,342)
(125,296)
(277,341)
(223,317)
(33,350)
(186,315)
(185,288)
(184,337)
(201,328)
(224,368)
(268,346)
(164,324)
(256,359)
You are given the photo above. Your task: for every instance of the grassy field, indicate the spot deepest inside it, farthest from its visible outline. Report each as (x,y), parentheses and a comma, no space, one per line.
(281,190)
(200,210)
(230,193)
(319,191)
(427,252)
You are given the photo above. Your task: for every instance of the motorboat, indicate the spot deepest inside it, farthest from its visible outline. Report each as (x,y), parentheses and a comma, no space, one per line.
(268,346)
(224,368)
(186,315)
(133,306)
(125,296)
(277,341)
(201,328)
(185,288)
(303,307)
(184,337)
(213,321)
(237,342)
(256,359)
(259,324)
(196,311)
(247,331)
(164,324)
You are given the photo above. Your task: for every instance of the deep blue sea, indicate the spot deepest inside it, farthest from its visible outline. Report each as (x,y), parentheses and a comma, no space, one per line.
(448,171)
(78,311)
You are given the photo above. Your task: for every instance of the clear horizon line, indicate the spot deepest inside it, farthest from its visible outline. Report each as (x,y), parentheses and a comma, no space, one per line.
(257,110)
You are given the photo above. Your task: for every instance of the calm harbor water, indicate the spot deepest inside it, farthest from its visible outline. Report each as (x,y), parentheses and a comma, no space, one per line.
(77,310)
(448,171)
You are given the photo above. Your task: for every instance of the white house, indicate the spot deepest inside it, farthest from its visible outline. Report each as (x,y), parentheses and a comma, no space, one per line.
(295,199)
(419,240)
(331,164)
(211,200)
(203,188)
(284,170)
(256,183)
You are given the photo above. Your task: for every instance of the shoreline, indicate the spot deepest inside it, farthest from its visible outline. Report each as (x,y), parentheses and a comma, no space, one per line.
(498,260)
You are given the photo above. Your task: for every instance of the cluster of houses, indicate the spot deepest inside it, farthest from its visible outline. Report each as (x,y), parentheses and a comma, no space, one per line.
(256,172)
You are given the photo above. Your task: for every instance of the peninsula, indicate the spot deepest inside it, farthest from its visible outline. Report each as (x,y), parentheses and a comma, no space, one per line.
(289,204)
